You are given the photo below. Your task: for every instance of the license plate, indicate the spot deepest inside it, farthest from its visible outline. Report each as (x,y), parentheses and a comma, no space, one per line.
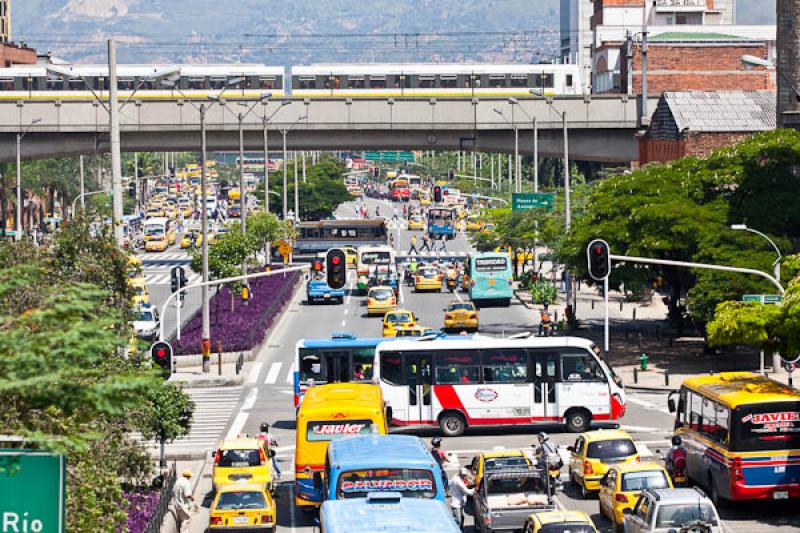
(780,495)
(241,520)
(327,296)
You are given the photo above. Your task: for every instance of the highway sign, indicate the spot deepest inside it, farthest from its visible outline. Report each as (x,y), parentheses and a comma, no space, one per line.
(523,201)
(284,248)
(389,157)
(763,298)
(33,486)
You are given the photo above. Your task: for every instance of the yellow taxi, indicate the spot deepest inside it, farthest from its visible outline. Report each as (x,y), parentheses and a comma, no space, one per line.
(428,278)
(498,459)
(424,198)
(186,208)
(242,506)
(381,299)
(488,227)
(157,244)
(414,331)
(190,239)
(242,459)
(559,521)
(594,452)
(461,315)
(474,223)
(141,295)
(399,318)
(351,256)
(416,223)
(621,486)
(154,212)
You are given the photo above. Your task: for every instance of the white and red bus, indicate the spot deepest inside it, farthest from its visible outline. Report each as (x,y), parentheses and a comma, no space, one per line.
(400,190)
(454,384)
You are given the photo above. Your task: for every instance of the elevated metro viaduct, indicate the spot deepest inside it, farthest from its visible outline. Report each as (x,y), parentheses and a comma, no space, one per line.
(601,128)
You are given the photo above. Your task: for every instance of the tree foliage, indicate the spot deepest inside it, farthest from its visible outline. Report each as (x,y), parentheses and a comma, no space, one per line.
(320,195)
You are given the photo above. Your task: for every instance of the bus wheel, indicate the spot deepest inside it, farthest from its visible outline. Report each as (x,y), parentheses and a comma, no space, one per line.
(452,424)
(577,420)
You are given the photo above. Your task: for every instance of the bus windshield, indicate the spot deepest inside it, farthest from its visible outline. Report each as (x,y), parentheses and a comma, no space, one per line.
(766,426)
(412,483)
(154,230)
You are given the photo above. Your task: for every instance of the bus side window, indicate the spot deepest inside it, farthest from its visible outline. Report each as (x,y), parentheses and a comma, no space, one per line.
(580,366)
(695,411)
(392,368)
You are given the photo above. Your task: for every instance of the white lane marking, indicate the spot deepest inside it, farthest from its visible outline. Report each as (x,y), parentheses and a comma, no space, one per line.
(460,299)
(344,322)
(290,377)
(252,377)
(250,401)
(350,288)
(237,426)
(346,311)
(272,375)
(400,290)
(641,429)
(648,405)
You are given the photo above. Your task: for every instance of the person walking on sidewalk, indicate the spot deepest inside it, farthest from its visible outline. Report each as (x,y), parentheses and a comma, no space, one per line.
(443,247)
(183,500)
(413,249)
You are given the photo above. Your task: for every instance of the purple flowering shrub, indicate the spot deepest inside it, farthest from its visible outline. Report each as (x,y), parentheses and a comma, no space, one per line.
(142,505)
(247,325)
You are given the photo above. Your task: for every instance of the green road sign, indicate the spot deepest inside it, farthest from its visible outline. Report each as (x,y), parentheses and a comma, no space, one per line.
(389,157)
(33,485)
(763,298)
(522,201)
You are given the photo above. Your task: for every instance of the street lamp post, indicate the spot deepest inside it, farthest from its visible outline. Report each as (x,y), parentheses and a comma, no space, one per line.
(18,211)
(776,265)
(82,197)
(266,152)
(285,132)
(206,334)
(517,179)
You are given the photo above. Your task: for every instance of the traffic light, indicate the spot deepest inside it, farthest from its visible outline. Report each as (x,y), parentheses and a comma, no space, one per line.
(161,353)
(178,280)
(335,264)
(451,173)
(376,172)
(132,189)
(599,259)
(437,194)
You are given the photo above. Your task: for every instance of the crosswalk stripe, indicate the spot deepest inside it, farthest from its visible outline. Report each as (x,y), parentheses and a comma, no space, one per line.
(165,279)
(290,377)
(272,375)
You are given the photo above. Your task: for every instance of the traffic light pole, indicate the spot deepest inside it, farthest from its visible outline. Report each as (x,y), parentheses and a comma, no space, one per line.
(206,284)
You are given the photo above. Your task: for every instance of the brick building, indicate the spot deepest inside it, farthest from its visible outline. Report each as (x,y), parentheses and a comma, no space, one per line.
(695,123)
(12,54)
(678,61)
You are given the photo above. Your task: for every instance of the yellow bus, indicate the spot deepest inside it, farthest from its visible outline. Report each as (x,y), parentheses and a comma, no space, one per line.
(741,432)
(331,412)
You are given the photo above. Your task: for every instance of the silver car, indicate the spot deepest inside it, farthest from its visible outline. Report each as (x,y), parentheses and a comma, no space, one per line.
(671,511)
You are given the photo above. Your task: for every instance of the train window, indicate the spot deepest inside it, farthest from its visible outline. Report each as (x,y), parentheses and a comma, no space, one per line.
(497,80)
(569,80)
(519,80)
(75,84)
(471,80)
(197,83)
(356,82)
(545,80)
(100,84)
(448,81)
(6,84)
(308,82)
(266,82)
(147,84)
(218,82)
(405,81)
(240,84)
(377,82)
(126,84)
(29,83)
(427,82)
(55,83)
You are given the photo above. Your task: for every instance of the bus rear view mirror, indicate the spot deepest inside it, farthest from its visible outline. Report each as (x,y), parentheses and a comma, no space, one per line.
(671,405)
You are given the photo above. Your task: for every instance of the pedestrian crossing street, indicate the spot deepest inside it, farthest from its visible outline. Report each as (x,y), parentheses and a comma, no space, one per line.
(437,253)
(213,408)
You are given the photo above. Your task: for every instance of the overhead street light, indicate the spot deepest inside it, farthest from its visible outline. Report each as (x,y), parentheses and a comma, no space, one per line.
(283,104)
(776,265)
(517,179)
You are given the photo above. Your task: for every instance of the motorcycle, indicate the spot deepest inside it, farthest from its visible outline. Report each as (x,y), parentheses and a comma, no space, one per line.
(451,284)
(408,277)
(676,467)
(547,329)
(551,463)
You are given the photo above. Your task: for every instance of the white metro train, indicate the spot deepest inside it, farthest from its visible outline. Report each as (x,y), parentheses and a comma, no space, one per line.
(317,81)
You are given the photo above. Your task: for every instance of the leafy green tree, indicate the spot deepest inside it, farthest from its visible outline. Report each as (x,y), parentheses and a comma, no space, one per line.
(543,292)
(166,416)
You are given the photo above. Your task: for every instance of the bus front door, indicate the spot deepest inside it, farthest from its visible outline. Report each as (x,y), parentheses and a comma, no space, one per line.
(545,400)
(418,370)
(337,366)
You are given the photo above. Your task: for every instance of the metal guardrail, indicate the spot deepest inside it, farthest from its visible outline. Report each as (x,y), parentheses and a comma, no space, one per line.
(154,526)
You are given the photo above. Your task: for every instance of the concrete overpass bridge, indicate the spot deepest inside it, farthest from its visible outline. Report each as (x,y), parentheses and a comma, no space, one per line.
(601,128)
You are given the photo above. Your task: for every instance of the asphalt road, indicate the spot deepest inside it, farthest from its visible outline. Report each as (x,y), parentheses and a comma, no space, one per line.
(268,397)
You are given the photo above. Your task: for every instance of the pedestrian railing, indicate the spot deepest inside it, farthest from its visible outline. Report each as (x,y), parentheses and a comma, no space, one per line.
(154,526)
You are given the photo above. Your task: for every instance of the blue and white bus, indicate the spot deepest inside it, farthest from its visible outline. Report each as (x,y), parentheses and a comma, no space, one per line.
(441,221)
(340,358)
(490,278)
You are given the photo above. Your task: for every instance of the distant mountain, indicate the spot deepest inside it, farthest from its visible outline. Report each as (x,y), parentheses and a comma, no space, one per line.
(310,31)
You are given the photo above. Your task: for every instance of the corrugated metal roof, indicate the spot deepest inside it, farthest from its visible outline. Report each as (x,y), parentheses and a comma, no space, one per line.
(709,111)
(694,36)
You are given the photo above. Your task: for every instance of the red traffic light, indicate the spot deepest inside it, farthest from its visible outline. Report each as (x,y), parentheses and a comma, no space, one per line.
(335,260)
(161,353)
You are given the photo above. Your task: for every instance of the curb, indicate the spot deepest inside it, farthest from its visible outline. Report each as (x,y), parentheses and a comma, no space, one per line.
(189,360)
(648,389)
(193,455)
(221,381)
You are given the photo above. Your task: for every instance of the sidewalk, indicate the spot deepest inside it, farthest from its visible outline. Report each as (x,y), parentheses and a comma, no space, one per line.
(660,379)
(194,377)
(201,482)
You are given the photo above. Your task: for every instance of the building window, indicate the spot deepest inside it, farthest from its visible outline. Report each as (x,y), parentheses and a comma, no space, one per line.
(670,21)
(680,19)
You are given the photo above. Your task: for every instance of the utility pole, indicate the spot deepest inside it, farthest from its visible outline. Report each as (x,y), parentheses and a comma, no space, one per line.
(83,186)
(285,177)
(296,191)
(535,155)
(242,190)
(266,165)
(206,338)
(116,161)
(645,110)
